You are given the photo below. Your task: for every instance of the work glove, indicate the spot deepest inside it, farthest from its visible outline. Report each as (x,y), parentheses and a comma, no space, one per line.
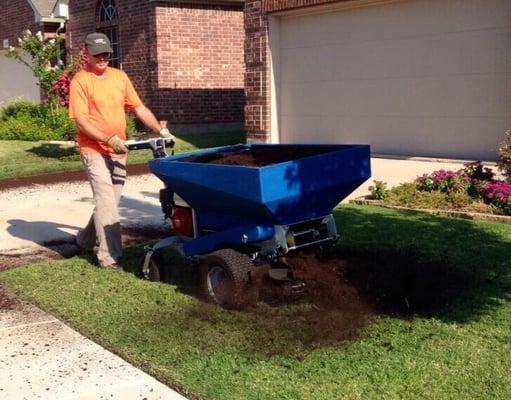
(117,145)
(169,137)
(165,133)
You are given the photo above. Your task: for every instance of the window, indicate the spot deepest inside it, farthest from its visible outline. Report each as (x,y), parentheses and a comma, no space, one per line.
(107,20)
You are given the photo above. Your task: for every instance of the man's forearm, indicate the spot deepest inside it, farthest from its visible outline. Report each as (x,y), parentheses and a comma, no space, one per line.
(85,126)
(148,118)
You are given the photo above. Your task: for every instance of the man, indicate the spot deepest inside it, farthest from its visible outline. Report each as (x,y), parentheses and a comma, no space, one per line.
(99,96)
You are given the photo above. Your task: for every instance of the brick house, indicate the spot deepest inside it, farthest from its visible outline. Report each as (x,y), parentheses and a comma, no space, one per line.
(46,16)
(185,58)
(409,77)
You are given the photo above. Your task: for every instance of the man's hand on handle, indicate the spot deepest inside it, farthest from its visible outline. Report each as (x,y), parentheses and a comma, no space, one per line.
(117,145)
(169,137)
(165,133)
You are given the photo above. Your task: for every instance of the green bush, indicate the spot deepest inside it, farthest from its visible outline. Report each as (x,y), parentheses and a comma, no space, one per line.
(504,161)
(131,126)
(18,107)
(22,120)
(409,195)
(379,190)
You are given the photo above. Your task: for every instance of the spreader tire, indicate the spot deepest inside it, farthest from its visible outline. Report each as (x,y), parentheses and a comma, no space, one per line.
(156,270)
(225,279)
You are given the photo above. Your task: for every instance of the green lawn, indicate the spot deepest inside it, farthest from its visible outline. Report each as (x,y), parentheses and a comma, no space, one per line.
(20,158)
(274,352)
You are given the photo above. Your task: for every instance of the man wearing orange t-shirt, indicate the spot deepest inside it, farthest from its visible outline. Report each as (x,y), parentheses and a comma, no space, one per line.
(99,97)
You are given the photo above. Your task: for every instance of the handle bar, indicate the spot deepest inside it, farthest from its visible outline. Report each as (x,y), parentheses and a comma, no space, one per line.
(157,145)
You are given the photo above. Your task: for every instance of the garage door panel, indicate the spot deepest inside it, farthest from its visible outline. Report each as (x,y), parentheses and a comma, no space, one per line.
(393,21)
(310,64)
(385,74)
(463,96)
(385,133)
(304,129)
(461,53)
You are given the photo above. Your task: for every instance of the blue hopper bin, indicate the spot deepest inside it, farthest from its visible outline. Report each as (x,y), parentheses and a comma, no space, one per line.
(290,190)
(250,206)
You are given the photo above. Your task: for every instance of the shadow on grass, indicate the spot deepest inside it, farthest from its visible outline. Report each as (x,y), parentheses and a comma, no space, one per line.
(388,264)
(56,151)
(459,267)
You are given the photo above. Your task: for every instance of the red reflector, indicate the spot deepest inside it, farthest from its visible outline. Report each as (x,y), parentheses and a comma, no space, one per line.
(182,220)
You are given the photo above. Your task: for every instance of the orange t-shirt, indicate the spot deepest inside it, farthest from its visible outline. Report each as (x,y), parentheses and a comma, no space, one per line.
(103,100)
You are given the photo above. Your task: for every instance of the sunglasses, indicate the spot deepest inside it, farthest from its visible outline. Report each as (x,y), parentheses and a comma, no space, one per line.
(102,56)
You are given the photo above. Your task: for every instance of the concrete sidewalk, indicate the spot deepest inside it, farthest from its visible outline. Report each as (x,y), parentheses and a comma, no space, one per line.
(42,357)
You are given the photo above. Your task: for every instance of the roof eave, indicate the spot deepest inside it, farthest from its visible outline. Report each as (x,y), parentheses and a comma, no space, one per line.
(56,20)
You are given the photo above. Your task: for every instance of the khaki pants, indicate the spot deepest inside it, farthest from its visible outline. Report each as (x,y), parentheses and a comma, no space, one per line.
(106,176)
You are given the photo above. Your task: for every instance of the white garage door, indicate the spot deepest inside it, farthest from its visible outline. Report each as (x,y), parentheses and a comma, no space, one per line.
(414,77)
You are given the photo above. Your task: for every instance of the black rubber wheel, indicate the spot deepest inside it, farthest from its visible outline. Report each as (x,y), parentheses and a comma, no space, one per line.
(225,279)
(156,271)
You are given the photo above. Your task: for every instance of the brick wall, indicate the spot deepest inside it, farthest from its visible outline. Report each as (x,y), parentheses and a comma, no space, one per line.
(200,63)
(257,77)
(15,17)
(185,60)
(135,27)
(257,91)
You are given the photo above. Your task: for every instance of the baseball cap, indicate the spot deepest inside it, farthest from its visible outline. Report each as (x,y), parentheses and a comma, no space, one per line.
(97,43)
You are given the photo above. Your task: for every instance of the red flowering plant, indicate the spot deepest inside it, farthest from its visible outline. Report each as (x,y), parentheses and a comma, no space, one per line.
(475,180)
(498,195)
(62,83)
(444,181)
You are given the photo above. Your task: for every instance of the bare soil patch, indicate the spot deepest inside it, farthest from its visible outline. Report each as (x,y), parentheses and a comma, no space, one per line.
(347,291)
(390,283)
(62,177)
(8,301)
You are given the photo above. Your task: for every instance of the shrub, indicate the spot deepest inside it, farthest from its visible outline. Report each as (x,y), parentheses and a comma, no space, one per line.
(131,126)
(498,195)
(18,107)
(504,161)
(379,190)
(444,181)
(408,195)
(476,170)
(44,60)
(22,120)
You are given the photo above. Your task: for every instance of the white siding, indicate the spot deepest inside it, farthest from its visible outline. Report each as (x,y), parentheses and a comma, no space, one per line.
(16,80)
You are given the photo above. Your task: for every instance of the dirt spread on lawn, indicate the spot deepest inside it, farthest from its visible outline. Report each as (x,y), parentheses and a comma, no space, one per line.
(389,283)
(8,301)
(256,157)
(345,292)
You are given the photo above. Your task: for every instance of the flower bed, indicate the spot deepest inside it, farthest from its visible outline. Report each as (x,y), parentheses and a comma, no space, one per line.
(473,188)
